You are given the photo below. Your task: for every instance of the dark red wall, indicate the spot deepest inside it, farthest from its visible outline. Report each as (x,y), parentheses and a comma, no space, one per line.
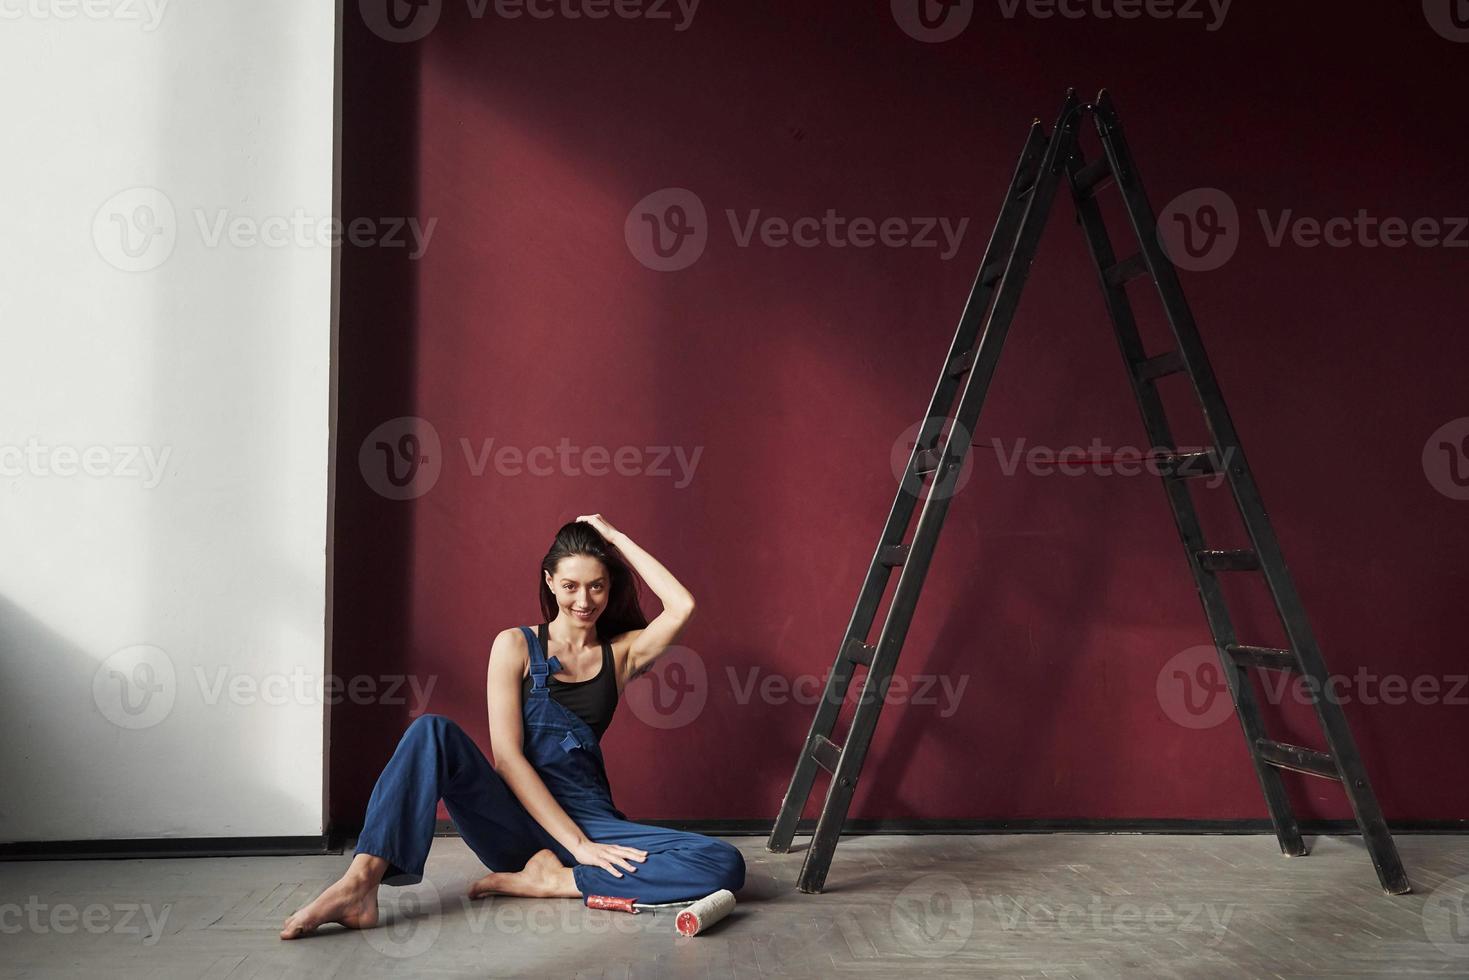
(1058,601)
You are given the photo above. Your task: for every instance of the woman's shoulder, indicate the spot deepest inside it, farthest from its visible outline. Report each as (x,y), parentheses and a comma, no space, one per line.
(512,636)
(511,642)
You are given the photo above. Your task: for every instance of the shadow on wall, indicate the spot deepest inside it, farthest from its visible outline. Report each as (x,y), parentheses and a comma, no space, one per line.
(80,745)
(373,560)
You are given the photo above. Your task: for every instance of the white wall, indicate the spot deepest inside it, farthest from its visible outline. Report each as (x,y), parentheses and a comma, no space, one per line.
(163,417)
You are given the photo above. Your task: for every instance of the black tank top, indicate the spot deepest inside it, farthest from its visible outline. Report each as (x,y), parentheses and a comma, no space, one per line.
(592,700)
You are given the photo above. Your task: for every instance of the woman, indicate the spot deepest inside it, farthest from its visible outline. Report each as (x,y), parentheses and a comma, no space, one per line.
(545,806)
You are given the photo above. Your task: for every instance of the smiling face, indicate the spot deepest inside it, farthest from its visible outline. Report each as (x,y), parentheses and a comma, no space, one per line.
(580,587)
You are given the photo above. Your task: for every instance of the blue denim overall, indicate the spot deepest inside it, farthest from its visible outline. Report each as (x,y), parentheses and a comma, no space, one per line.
(436,759)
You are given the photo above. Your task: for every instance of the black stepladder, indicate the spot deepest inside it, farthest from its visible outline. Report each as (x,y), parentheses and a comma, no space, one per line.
(1044,162)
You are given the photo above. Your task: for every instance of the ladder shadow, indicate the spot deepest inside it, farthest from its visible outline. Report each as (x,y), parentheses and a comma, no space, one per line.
(1063,587)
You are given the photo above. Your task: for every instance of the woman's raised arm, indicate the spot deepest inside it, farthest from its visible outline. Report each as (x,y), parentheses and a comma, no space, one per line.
(646,645)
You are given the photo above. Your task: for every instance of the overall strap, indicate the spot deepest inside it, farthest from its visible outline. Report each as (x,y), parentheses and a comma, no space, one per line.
(540,665)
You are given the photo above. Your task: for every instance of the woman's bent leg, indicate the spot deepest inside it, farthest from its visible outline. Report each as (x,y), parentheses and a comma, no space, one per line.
(680,866)
(436,759)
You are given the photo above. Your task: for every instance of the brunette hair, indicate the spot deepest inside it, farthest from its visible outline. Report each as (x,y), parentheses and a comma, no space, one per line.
(623,611)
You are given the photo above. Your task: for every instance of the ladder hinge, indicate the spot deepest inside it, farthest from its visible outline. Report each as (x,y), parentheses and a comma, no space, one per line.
(859,652)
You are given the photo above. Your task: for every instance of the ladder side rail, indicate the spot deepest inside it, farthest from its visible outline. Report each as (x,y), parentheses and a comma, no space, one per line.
(930,521)
(1185,517)
(828,709)
(1301,637)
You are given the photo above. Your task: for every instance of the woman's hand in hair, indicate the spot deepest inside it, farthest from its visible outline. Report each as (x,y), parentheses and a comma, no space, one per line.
(603,527)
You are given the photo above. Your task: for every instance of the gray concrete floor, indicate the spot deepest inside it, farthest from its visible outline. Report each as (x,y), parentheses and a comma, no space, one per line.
(1033,905)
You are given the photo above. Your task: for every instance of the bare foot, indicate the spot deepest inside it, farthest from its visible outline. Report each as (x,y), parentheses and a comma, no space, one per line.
(544,876)
(351,900)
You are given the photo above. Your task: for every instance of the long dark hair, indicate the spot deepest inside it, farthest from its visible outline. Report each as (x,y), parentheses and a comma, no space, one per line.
(623,611)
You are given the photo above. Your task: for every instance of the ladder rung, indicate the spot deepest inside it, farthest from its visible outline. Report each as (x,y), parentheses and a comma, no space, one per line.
(826,753)
(926,462)
(1234,560)
(1190,466)
(1269,657)
(1297,759)
(893,555)
(961,364)
(859,652)
(1021,193)
(1159,367)
(1094,176)
(1127,270)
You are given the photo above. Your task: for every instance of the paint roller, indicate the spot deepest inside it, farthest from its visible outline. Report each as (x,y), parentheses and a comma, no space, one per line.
(697,916)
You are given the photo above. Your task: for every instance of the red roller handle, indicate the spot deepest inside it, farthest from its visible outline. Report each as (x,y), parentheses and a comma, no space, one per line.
(611,902)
